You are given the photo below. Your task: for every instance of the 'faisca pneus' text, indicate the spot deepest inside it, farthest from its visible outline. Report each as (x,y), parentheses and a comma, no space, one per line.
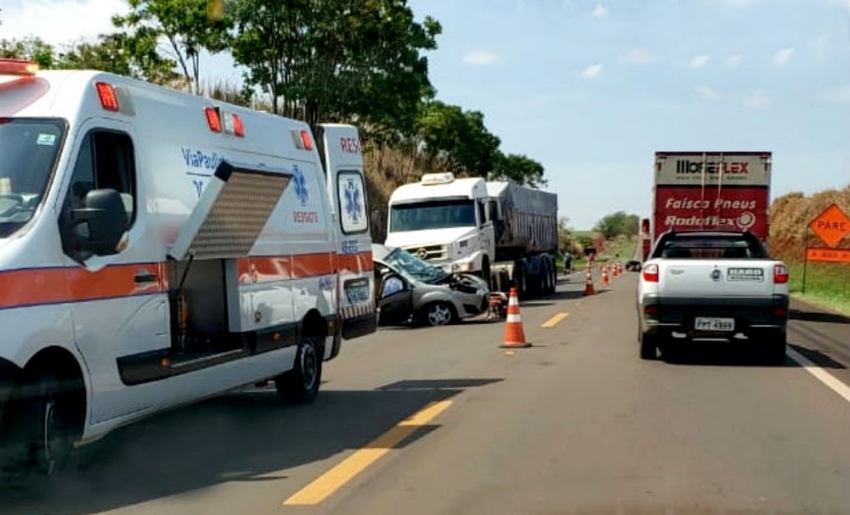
(689,203)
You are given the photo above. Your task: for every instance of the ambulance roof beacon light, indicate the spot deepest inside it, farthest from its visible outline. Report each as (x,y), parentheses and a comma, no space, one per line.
(437,178)
(18,67)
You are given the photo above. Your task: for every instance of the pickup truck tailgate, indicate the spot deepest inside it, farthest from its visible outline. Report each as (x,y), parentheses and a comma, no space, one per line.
(712,278)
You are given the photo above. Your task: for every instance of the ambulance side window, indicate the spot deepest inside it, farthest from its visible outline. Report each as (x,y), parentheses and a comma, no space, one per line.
(105,160)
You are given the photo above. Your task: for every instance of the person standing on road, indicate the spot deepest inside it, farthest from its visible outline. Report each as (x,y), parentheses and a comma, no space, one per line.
(568,262)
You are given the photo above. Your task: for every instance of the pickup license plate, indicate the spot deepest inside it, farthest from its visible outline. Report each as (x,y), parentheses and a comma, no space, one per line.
(714,324)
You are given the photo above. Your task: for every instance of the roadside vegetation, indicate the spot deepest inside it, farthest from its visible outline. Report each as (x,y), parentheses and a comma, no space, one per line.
(363,63)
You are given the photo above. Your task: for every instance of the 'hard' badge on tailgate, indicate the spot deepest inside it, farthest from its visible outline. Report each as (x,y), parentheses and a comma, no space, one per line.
(745,274)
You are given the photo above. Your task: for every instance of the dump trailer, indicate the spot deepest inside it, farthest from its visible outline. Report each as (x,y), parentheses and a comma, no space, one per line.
(503,232)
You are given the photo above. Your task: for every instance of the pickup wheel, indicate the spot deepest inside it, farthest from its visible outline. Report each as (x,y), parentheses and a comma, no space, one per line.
(648,346)
(775,346)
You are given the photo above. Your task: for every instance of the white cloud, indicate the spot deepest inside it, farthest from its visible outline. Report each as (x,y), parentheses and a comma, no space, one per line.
(638,55)
(600,11)
(480,58)
(783,56)
(757,100)
(699,61)
(839,95)
(591,72)
(734,61)
(61,21)
(707,94)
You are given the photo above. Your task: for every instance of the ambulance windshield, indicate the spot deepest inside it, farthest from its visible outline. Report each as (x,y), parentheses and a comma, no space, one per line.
(28,152)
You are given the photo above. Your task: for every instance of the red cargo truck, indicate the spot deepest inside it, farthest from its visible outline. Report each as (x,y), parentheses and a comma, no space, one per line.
(709,191)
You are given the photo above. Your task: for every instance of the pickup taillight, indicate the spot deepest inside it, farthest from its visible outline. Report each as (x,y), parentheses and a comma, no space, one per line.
(650,273)
(780,274)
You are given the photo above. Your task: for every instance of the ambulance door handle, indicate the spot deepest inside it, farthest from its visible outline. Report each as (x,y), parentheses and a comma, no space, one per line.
(143,276)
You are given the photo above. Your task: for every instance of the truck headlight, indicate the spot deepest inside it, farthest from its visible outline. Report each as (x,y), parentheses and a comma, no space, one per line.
(462,267)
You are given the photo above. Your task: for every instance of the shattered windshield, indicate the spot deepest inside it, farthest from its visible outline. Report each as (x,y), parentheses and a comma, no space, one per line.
(411,266)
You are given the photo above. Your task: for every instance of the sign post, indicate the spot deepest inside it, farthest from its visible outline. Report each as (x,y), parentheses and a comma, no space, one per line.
(831,226)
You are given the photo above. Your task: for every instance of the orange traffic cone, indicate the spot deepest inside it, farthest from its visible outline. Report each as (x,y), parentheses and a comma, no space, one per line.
(605,275)
(514,334)
(588,285)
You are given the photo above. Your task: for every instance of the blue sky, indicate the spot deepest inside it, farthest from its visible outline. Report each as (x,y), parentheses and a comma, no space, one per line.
(592,89)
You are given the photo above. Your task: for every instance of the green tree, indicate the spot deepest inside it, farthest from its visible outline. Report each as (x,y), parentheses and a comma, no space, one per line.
(520,169)
(333,59)
(456,140)
(189,26)
(31,48)
(617,224)
(132,55)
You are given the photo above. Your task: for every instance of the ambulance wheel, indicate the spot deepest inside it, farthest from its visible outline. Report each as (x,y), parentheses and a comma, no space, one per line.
(301,384)
(41,428)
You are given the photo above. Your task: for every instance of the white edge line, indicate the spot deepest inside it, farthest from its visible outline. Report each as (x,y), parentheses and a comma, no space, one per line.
(822,375)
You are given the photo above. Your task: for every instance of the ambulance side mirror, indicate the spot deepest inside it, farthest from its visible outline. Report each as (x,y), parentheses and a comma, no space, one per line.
(106,219)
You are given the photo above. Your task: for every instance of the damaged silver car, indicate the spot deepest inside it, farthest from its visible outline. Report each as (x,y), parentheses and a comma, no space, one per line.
(412,291)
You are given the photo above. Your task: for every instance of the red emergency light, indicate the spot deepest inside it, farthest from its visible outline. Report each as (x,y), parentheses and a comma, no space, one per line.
(238,127)
(107,96)
(213,119)
(306,140)
(18,67)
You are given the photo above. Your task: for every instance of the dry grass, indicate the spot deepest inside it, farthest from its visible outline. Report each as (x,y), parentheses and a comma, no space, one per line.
(827,284)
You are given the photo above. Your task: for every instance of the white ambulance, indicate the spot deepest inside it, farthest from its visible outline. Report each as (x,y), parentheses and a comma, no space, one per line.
(158,248)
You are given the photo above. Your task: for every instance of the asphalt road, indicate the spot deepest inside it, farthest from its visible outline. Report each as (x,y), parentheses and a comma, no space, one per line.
(443,421)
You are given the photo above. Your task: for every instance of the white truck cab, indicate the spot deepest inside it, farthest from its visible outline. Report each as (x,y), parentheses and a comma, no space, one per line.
(445,220)
(157,248)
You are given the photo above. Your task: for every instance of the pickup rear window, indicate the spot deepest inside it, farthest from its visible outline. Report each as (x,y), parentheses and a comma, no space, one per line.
(710,247)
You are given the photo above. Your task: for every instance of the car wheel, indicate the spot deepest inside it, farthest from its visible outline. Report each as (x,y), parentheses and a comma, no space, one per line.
(438,313)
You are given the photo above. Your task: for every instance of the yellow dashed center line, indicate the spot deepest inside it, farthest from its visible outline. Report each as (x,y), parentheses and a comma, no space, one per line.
(555,320)
(331,481)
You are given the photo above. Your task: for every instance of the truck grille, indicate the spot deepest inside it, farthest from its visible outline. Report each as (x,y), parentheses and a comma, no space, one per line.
(428,252)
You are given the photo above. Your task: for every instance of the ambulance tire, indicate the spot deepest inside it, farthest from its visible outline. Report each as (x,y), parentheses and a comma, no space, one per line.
(301,384)
(42,430)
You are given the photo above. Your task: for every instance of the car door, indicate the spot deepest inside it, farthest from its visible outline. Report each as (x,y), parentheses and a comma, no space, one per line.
(395,303)
(120,306)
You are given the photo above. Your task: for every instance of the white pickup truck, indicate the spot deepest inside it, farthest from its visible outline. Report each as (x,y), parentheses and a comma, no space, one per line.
(712,285)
